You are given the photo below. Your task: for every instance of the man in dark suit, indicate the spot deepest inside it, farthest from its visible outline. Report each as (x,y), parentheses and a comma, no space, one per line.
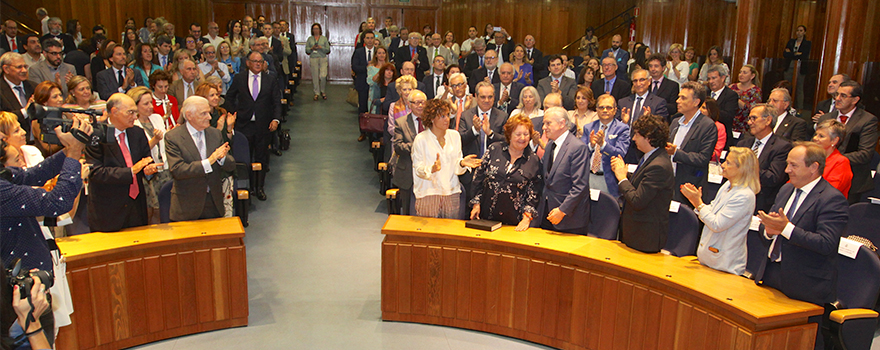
(164,57)
(276,49)
(16,89)
(861,136)
(771,151)
(789,126)
(475,60)
(614,84)
(565,201)
(391,95)
(557,82)
(480,127)
(117,199)
(692,139)
(539,67)
(388,23)
(11,41)
(117,78)
(488,72)
(827,106)
(293,57)
(502,46)
(195,29)
(507,91)
(635,105)
(359,62)
(434,80)
(415,54)
(727,100)
(56,33)
(254,96)
(620,56)
(804,226)
(660,86)
(405,131)
(644,223)
(198,159)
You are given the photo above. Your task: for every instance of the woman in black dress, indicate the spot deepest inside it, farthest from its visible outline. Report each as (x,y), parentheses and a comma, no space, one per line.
(507,184)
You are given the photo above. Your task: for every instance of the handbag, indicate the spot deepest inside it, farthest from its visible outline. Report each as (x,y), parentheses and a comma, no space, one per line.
(352,97)
(372,122)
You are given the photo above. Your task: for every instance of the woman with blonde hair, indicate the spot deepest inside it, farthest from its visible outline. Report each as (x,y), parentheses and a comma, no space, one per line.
(400,108)
(727,218)
(154,129)
(16,137)
(676,67)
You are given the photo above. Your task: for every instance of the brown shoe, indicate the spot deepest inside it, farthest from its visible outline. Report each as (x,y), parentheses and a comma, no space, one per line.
(362,137)
(324,95)
(316,97)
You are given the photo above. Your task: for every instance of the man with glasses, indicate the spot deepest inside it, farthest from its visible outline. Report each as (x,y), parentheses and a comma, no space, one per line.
(771,150)
(186,86)
(692,139)
(11,42)
(612,84)
(632,107)
(475,60)
(52,68)
(607,137)
(558,83)
(117,198)
(16,89)
(861,136)
(213,67)
(415,54)
(254,96)
(488,72)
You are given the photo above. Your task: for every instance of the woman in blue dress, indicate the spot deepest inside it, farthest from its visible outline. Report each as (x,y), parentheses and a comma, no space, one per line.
(523,71)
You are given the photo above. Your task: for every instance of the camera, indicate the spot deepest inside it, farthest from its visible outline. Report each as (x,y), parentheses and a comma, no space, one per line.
(50,117)
(24,279)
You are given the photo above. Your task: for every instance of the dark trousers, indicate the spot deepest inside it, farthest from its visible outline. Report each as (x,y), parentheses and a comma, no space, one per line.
(404,196)
(210,210)
(773,279)
(259,146)
(362,100)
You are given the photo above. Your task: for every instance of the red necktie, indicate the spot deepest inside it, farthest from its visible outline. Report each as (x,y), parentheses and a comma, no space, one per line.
(421,126)
(843,118)
(14,47)
(133,189)
(412,51)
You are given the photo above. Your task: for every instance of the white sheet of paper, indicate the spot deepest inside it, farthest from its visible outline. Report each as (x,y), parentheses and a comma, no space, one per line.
(715,178)
(631,167)
(723,154)
(673,206)
(848,248)
(872,173)
(594,195)
(736,134)
(755,225)
(874,200)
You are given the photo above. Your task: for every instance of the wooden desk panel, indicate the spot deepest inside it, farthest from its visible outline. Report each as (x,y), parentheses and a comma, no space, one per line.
(577,292)
(155,282)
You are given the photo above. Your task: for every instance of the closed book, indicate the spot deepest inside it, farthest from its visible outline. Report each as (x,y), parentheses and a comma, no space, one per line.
(485,225)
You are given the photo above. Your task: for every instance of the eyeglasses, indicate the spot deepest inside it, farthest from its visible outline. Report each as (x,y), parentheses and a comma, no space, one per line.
(457,85)
(604,108)
(53,53)
(490,57)
(842,95)
(417,103)
(640,80)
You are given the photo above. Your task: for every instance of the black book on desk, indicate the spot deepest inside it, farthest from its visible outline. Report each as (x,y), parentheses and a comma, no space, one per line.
(485,225)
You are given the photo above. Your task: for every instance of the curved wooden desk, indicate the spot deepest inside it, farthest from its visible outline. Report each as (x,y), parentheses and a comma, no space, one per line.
(577,292)
(155,282)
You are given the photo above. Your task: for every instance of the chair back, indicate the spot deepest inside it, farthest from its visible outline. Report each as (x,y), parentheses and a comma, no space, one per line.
(858,280)
(604,217)
(165,202)
(874,192)
(684,232)
(242,154)
(864,221)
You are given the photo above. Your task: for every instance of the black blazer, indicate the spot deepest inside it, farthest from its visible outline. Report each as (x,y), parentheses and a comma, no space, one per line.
(804,49)
(692,158)
(727,103)
(359,65)
(824,106)
(110,206)
(266,108)
(506,49)
(4,44)
(621,88)
(771,164)
(66,40)
(668,90)
(644,223)
(106,83)
(470,142)
(404,55)
(471,64)
(515,89)
(480,74)
(858,146)
(538,65)
(792,128)
(10,103)
(430,86)
(809,258)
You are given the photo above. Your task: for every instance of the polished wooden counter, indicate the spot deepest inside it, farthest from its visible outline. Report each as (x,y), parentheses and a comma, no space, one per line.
(155,282)
(577,292)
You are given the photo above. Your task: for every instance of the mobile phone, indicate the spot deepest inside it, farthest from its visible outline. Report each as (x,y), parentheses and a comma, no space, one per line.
(497,29)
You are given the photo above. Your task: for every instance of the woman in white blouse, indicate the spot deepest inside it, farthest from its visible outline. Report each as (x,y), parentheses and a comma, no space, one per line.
(676,67)
(727,218)
(437,162)
(529,104)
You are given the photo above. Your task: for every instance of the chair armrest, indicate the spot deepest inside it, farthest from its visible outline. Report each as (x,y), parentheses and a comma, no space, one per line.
(243,194)
(375,144)
(256,166)
(382,166)
(391,193)
(840,316)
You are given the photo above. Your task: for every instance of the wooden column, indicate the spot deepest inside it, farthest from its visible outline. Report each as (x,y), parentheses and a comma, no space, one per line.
(843,50)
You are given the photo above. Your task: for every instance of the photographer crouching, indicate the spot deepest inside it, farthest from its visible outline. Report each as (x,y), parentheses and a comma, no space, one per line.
(20,234)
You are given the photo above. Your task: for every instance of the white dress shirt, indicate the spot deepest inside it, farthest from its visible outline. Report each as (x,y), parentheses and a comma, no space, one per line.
(203,150)
(763,143)
(786,232)
(425,149)
(206,67)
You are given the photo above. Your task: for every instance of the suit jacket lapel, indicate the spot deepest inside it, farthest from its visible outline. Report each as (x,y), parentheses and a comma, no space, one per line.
(9,95)
(766,152)
(115,150)
(808,202)
(691,131)
(641,169)
(563,150)
(264,83)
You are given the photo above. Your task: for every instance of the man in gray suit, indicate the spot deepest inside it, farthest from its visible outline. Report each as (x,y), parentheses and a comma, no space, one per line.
(565,202)
(405,131)
(692,139)
(52,68)
(197,174)
(558,83)
(861,136)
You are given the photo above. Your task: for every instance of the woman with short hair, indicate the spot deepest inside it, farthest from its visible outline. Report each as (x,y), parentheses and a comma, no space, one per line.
(837,169)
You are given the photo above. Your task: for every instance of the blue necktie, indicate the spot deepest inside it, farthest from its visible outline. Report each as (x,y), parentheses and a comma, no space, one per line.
(482,134)
(607,87)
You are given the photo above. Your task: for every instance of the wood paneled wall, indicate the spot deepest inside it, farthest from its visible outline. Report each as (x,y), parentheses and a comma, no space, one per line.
(112,13)
(697,23)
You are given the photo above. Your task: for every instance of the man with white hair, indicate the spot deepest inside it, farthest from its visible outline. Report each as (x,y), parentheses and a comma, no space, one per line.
(17,90)
(185,87)
(565,202)
(789,125)
(415,54)
(56,33)
(197,173)
(213,67)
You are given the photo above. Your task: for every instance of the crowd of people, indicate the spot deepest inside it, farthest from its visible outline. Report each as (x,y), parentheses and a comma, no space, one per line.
(148,111)
(531,135)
